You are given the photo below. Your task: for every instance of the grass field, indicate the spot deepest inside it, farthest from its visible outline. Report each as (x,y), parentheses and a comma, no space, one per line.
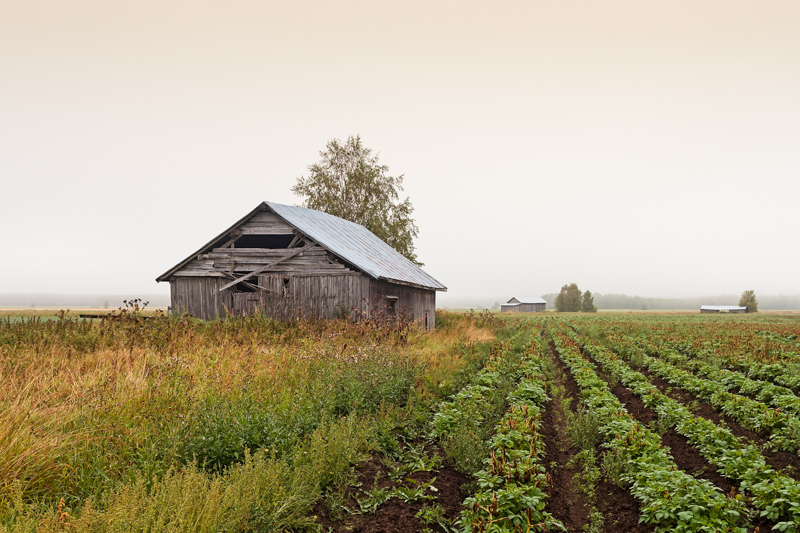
(120,422)
(606,422)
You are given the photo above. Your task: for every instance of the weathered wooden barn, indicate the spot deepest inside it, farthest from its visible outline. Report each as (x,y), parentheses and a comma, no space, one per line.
(524,304)
(286,261)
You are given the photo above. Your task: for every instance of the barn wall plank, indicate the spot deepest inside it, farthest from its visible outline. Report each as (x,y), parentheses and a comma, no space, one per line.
(315,294)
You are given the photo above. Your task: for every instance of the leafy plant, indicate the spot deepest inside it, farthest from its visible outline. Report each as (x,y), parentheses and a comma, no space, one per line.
(415,491)
(373,499)
(434,514)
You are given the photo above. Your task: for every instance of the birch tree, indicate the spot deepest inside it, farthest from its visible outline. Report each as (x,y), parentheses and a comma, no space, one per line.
(350,182)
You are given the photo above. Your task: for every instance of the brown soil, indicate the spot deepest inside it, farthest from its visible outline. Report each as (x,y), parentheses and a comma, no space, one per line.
(619,507)
(565,502)
(620,510)
(778,460)
(394,515)
(634,405)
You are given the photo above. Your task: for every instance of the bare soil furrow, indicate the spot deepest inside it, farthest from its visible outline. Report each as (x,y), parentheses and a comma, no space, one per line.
(618,506)
(686,456)
(565,501)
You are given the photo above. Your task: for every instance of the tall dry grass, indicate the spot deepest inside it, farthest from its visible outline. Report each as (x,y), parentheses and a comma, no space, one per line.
(124,419)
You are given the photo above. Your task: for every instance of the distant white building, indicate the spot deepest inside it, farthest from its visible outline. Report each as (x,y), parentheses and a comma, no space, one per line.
(524,304)
(722,309)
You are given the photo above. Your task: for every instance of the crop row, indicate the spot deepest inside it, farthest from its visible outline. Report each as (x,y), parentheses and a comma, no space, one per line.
(512,483)
(752,338)
(734,381)
(745,347)
(672,499)
(776,495)
(783,428)
(782,373)
(467,407)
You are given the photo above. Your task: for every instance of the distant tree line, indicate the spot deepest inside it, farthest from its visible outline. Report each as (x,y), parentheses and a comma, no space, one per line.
(624,301)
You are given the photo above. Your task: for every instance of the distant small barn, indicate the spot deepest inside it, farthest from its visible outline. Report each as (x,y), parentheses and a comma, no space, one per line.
(286,261)
(524,304)
(722,309)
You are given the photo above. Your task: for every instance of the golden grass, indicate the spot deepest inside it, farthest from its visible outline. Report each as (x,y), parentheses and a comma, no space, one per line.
(61,407)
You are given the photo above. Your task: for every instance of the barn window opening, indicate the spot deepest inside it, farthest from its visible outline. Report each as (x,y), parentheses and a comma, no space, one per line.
(246,286)
(285,287)
(391,305)
(264,241)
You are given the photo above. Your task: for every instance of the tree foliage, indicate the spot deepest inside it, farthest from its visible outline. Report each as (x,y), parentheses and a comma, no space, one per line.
(349,182)
(569,299)
(587,303)
(748,299)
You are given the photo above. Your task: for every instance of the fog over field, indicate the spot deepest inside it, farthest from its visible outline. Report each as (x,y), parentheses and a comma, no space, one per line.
(632,148)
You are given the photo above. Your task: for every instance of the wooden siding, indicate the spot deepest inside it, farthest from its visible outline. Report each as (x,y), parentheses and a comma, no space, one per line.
(531,308)
(523,308)
(225,262)
(420,304)
(199,297)
(266,223)
(293,295)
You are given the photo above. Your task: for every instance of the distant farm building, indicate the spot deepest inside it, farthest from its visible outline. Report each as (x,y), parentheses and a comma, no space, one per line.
(524,304)
(287,262)
(722,309)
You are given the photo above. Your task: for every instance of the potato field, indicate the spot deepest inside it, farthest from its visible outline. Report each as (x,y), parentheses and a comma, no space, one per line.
(546,422)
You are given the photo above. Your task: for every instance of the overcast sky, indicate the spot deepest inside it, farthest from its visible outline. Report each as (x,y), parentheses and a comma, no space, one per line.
(634,147)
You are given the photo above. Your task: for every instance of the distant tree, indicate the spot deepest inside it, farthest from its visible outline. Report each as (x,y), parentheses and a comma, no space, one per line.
(350,183)
(105,304)
(748,299)
(587,303)
(568,299)
(559,302)
(573,298)
(496,305)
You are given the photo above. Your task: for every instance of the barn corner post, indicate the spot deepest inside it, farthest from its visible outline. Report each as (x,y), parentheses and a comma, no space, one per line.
(286,262)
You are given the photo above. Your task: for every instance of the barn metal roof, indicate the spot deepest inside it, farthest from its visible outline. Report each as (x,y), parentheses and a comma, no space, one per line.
(529,300)
(357,245)
(351,242)
(723,307)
